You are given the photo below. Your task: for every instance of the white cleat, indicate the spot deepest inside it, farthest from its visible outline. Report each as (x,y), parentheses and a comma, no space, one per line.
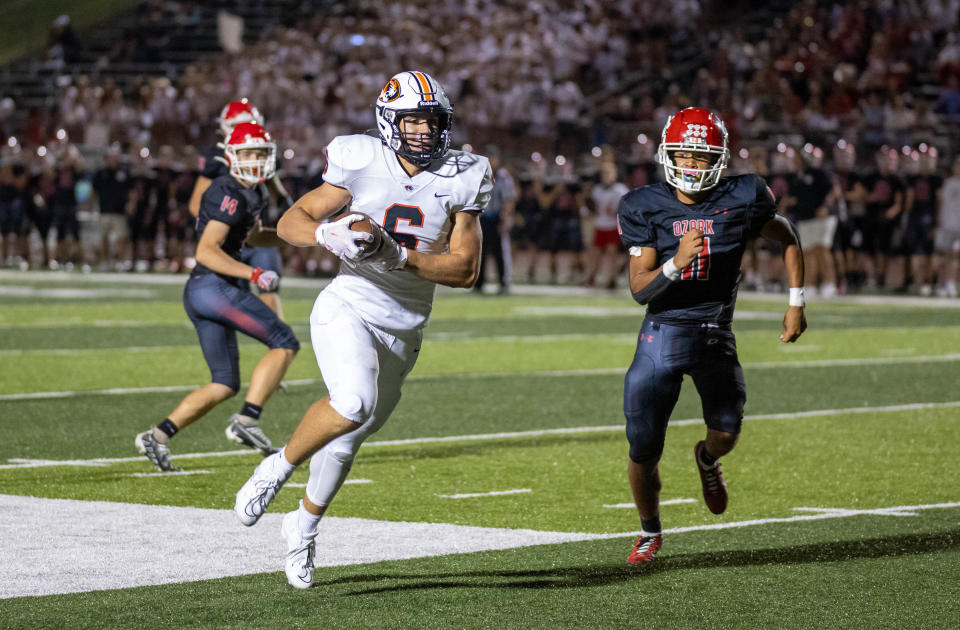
(259,490)
(298,564)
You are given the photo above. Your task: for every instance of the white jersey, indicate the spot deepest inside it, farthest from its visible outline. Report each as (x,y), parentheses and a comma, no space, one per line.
(607,200)
(416,210)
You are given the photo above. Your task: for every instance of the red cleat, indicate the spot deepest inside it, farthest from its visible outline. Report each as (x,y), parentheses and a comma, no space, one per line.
(714,488)
(645,550)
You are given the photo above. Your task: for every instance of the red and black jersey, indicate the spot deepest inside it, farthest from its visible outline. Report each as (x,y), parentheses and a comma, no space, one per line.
(731,215)
(228,201)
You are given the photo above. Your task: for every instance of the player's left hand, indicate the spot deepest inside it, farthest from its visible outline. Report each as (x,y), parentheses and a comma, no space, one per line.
(389,256)
(794,323)
(266,280)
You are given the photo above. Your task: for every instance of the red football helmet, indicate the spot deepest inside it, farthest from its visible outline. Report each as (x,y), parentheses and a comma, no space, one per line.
(250,135)
(697,130)
(236,112)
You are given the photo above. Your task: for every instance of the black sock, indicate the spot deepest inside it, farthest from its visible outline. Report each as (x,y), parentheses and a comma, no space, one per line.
(707,458)
(251,410)
(168,427)
(651,526)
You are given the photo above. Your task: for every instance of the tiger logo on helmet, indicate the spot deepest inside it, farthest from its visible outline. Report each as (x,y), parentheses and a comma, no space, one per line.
(414,93)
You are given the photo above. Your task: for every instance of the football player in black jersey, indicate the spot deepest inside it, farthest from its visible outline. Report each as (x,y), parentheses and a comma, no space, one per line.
(686,239)
(219,303)
(212,164)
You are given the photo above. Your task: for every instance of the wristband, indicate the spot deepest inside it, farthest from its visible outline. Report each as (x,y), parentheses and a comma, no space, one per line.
(670,270)
(255,275)
(319,235)
(796,296)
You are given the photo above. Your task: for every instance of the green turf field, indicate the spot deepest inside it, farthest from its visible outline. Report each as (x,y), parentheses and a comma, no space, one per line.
(844,490)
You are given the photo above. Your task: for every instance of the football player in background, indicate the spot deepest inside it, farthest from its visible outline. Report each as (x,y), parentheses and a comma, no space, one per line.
(219,303)
(686,238)
(212,164)
(367,324)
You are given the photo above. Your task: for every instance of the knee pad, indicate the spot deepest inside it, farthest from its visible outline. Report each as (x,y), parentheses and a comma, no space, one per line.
(646,441)
(282,337)
(355,403)
(229,379)
(728,422)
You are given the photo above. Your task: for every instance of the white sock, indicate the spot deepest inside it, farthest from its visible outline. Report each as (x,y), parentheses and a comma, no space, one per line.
(307,522)
(282,466)
(645,533)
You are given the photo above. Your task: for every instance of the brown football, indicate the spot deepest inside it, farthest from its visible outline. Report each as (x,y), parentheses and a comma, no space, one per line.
(366,225)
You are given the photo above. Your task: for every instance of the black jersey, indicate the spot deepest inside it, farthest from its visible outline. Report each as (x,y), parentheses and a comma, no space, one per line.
(212,163)
(731,215)
(925,189)
(228,201)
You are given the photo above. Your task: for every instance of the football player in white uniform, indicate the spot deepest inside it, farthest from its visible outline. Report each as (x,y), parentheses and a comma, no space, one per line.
(366,324)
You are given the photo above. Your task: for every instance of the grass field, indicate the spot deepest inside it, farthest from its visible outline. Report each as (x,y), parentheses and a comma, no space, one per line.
(496,496)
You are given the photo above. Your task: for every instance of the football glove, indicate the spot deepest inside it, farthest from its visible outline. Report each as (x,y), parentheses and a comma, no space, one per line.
(266,280)
(340,239)
(389,256)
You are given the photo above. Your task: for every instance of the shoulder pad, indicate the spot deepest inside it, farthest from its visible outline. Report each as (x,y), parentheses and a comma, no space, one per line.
(347,156)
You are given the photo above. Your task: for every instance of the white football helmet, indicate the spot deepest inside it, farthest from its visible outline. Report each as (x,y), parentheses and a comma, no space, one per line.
(409,93)
(250,135)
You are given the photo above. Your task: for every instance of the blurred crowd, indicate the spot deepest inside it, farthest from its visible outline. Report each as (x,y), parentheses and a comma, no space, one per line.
(845,99)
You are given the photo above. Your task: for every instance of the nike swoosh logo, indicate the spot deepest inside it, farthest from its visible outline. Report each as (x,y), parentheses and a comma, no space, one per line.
(438,195)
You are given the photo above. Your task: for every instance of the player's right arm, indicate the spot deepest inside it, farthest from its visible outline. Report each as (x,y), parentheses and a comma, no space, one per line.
(649,278)
(210,252)
(298,225)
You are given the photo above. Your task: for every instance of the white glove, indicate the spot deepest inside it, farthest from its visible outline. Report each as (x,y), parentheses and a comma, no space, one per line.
(266,280)
(340,239)
(389,256)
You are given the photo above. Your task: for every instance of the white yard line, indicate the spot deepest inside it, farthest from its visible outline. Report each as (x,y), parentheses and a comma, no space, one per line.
(346,483)
(662,503)
(495,493)
(815,413)
(100,545)
(759,365)
(171,474)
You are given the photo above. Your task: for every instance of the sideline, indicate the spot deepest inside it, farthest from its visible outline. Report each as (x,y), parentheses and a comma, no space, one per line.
(88,558)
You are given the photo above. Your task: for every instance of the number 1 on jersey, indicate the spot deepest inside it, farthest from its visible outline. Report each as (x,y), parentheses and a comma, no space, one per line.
(399,212)
(699,269)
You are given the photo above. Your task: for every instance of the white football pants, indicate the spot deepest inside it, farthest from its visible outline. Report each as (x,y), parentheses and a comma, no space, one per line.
(363,368)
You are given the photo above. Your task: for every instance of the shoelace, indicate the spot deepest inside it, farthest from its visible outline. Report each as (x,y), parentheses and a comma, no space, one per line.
(643,546)
(160,452)
(713,478)
(264,488)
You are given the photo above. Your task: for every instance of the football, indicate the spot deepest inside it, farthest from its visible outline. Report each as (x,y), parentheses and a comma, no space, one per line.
(366,225)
